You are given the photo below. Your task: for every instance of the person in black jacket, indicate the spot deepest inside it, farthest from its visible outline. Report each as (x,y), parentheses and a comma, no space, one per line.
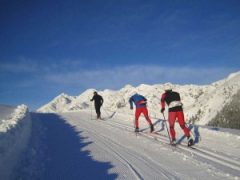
(98,101)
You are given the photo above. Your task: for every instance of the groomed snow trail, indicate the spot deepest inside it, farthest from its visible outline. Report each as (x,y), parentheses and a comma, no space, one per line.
(72,146)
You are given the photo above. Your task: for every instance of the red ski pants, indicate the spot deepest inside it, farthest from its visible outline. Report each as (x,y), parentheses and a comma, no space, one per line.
(172,116)
(138,113)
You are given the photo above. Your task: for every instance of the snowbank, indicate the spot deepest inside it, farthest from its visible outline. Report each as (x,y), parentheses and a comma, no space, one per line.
(15,129)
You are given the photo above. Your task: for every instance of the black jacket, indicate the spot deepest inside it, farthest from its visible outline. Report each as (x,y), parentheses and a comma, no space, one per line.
(98,100)
(171,97)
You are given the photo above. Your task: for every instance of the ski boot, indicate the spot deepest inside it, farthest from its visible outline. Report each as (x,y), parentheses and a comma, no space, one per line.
(174,142)
(151,128)
(190,141)
(136,130)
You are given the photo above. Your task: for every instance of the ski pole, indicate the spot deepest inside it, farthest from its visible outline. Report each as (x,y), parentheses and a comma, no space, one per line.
(134,124)
(91,110)
(134,119)
(166,127)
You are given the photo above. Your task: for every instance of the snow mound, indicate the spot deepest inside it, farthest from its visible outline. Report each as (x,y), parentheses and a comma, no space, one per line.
(58,104)
(15,129)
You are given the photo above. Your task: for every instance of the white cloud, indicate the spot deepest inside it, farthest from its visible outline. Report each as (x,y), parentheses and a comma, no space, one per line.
(67,74)
(21,66)
(117,77)
(26,65)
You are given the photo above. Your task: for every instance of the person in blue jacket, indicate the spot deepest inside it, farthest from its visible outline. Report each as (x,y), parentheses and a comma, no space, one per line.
(141,107)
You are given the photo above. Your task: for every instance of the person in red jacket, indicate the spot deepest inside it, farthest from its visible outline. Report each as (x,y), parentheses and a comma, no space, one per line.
(175,111)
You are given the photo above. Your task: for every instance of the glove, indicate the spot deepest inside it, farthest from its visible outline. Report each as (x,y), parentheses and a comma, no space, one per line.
(162,110)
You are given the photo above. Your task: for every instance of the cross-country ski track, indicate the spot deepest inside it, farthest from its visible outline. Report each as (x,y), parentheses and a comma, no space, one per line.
(73,146)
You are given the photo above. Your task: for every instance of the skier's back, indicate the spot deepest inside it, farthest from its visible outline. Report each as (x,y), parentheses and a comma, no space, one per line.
(175,111)
(141,107)
(98,101)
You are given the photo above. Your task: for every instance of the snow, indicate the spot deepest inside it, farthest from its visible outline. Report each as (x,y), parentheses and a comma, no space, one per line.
(59,103)
(72,146)
(63,140)
(15,128)
(201,103)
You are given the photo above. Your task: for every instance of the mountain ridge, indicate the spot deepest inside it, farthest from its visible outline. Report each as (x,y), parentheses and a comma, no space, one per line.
(201,102)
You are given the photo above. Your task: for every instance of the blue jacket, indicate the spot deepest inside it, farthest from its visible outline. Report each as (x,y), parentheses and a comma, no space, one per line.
(139,101)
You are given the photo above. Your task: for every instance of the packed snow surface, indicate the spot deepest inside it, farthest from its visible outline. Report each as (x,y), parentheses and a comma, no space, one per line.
(74,145)
(63,140)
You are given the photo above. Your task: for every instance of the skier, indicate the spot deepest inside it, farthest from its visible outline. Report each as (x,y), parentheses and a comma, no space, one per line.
(141,107)
(98,101)
(175,111)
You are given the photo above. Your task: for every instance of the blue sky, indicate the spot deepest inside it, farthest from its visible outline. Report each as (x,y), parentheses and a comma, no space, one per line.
(50,47)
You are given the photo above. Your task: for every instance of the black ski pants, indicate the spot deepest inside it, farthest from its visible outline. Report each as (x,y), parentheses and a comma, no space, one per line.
(98,111)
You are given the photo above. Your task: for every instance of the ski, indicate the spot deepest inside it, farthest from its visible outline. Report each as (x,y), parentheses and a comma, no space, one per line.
(102,119)
(186,145)
(154,133)
(108,117)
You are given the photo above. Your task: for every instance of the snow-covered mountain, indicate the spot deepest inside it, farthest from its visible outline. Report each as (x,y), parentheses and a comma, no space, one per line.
(201,103)
(58,104)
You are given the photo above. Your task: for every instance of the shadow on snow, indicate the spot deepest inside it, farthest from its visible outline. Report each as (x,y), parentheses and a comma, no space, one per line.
(194,130)
(63,157)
